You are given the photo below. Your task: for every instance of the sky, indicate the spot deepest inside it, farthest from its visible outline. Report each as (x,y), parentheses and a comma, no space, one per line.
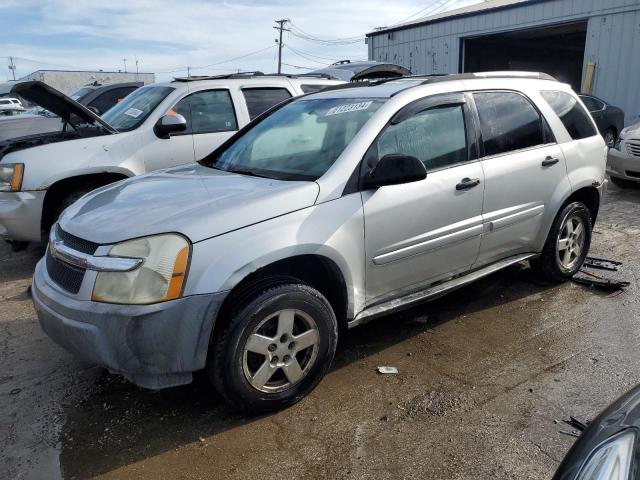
(209,36)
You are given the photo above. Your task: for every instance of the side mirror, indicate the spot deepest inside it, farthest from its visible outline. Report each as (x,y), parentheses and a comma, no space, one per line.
(169,124)
(395,169)
(95,110)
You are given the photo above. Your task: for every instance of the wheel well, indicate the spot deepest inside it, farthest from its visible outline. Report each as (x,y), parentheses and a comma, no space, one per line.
(590,197)
(62,188)
(316,271)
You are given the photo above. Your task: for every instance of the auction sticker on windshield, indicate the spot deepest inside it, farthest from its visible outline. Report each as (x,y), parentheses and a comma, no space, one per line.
(133,112)
(349,107)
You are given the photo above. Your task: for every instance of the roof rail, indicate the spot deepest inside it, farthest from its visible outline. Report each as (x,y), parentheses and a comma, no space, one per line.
(195,78)
(438,77)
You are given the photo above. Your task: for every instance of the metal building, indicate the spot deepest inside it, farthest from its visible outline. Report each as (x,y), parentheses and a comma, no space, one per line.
(592,44)
(68,81)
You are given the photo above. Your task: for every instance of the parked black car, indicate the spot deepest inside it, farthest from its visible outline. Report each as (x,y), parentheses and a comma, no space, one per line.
(608,449)
(101,98)
(609,119)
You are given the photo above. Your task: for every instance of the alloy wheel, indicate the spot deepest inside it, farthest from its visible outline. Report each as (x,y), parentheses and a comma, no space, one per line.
(280,351)
(571,242)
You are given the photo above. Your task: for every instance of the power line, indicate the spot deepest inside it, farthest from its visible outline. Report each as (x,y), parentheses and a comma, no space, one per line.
(306,57)
(184,67)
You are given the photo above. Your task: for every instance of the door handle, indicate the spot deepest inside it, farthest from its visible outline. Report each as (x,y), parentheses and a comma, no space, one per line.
(549,161)
(467,183)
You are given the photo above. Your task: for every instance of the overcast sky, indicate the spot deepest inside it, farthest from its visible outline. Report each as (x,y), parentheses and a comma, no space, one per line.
(168,36)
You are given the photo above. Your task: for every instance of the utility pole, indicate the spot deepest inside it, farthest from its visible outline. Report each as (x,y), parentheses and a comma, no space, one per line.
(188,71)
(12,67)
(125,64)
(280,28)
(137,71)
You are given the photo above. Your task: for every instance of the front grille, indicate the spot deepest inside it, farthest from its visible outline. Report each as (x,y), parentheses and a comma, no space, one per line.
(75,243)
(633,174)
(633,149)
(68,277)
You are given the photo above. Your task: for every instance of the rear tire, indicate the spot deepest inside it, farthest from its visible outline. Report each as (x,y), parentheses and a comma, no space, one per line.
(275,349)
(567,245)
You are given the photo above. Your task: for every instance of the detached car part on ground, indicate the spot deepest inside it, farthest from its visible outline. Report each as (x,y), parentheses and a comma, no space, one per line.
(157,126)
(608,449)
(329,211)
(97,98)
(623,165)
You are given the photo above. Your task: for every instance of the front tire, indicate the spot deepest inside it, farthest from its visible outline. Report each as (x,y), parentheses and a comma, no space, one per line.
(610,136)
(275,349)
(567,244)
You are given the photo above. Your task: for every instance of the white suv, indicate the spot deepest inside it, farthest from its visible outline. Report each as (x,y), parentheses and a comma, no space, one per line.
(7,104)
(157,126)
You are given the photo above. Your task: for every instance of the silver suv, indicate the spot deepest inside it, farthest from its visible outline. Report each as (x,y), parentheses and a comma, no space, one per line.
(333,209)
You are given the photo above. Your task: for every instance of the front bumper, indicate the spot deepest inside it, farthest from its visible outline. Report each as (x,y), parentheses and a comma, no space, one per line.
(154,346)
(622,165)
(21,215)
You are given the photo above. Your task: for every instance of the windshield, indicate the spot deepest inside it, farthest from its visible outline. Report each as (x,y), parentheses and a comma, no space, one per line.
(135,108)
(299,141)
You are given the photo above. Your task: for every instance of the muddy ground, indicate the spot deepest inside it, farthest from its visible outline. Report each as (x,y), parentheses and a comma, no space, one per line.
(486,375)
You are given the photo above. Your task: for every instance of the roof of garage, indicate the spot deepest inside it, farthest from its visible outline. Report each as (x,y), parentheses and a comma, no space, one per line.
(458,12)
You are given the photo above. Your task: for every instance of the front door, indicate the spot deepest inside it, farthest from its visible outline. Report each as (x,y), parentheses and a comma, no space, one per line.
(421,232)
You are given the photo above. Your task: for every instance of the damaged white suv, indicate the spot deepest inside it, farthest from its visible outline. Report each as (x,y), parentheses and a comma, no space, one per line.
(333,209)
(155,127)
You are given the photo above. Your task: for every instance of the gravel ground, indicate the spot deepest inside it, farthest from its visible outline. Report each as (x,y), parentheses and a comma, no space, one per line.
(485,375)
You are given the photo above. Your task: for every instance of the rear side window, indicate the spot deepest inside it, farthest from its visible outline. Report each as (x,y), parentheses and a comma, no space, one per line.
(575,119)
(592,104)
(259,100)
(208,111)
(436,137)
(311,88)
(508,122)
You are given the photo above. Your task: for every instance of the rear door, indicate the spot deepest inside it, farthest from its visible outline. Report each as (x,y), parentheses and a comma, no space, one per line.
(418,233)
(523,167)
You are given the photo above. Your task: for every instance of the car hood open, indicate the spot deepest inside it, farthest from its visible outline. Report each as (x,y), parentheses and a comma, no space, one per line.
(359,71)
(56,102)
(197,201)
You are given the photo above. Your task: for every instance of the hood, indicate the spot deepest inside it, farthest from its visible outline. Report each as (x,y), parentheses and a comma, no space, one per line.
(358,71)
(632,131)
(56,102)
(197,201)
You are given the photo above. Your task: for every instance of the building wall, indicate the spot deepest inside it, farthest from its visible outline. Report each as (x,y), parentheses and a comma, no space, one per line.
(68,82)
(613,32)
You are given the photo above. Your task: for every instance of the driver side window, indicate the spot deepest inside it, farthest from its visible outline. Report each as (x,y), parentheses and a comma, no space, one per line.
(436,137)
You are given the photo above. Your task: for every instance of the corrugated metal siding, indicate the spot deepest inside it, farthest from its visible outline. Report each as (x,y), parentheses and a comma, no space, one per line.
(613,32)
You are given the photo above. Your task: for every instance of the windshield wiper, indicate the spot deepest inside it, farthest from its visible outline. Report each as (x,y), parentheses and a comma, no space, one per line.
(243,171)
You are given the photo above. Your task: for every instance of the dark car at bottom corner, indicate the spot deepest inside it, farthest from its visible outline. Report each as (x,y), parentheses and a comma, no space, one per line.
(608,118)
(608,449)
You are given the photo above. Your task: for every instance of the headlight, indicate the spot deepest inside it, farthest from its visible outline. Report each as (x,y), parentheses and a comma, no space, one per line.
(612,460)
(160,277)
(11,177)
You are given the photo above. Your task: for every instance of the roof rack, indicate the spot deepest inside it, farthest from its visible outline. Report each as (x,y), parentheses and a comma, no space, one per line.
(441,77)
(196,78)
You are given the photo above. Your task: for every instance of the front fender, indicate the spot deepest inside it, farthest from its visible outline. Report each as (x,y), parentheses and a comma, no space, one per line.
(333,230)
